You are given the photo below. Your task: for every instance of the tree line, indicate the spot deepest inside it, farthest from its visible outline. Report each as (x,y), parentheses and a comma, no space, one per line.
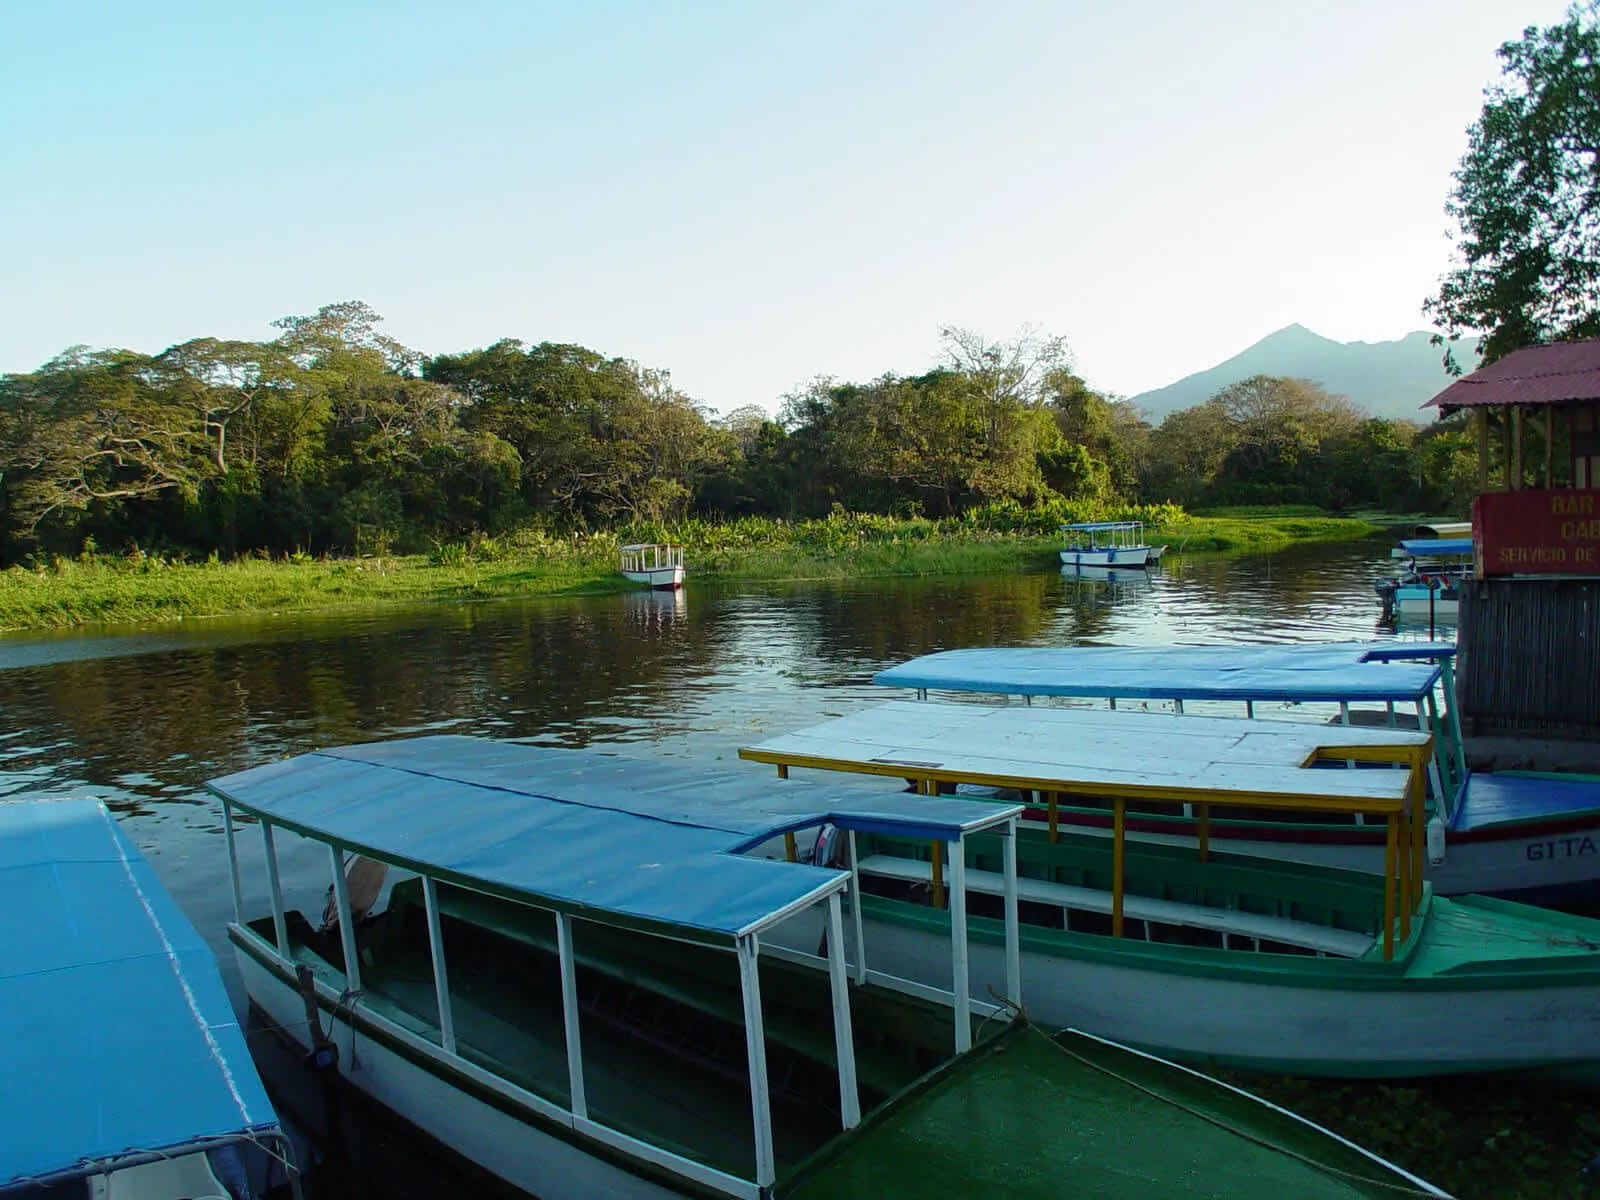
(334,438)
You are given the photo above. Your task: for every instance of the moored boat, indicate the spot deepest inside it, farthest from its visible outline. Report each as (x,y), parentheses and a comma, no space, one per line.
(604,976)
(1528,838)
(657,564)
(1429,581)
(126,1072)
(1118,544)
(1216,957)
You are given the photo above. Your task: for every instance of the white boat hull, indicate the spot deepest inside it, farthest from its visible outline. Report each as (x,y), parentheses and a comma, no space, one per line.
(1111,556)
(1398,1032)
(514,1149)
(660,577)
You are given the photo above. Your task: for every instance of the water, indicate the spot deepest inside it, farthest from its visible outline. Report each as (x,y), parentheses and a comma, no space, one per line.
(144,719)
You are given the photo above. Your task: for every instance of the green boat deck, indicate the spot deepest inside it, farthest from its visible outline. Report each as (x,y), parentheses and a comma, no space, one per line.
(1033,1118)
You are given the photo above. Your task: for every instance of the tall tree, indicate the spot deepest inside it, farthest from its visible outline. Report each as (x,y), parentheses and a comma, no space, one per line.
(1527,198)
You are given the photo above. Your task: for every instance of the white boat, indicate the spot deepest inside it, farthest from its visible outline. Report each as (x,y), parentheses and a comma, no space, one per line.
(610,977)
(1108,544)
(126,1074)
(658,564)
(1210,957)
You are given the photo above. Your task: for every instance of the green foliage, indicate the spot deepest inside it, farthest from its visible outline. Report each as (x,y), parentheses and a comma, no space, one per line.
(1526,193)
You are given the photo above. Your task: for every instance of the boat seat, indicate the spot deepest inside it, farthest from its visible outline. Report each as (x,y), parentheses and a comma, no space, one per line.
(1342,942)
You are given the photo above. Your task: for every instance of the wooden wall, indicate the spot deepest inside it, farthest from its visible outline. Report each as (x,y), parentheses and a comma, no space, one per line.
(1530,658)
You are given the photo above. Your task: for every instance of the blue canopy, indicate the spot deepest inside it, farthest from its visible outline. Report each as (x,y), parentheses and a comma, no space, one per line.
(1335,671)
(649,843)
(116,1036)
(1437,547)
(1096,526)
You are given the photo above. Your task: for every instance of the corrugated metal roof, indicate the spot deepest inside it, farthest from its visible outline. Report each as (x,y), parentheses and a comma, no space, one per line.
(1559,373)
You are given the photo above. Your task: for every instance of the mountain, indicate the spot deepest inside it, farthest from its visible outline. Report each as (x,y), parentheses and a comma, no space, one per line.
(1388,379)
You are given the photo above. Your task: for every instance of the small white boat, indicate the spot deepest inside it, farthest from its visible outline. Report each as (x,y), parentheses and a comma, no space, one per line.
(1108,544)
(658,564)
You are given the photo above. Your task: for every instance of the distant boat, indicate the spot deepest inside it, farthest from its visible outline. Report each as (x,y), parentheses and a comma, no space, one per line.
(655,563)
(651,991)
(127,1074)
(1108,544)
(1430,581)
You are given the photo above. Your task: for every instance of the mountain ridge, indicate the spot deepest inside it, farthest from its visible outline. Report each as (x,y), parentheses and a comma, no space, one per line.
(1387,379)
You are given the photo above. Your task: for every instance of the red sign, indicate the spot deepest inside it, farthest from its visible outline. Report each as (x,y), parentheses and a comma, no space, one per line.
(1537,532)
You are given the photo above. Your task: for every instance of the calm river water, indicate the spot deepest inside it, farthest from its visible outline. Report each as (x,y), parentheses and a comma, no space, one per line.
(142,719)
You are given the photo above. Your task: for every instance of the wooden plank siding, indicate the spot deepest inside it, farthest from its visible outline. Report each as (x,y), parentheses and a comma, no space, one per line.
(1528,649)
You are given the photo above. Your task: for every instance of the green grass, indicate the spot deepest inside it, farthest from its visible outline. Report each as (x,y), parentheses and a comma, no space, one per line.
(60,593)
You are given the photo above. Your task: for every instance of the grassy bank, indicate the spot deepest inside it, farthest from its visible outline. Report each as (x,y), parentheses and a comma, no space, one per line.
(142,588)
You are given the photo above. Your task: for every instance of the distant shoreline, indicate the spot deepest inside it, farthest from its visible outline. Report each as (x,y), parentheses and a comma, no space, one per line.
(150,591)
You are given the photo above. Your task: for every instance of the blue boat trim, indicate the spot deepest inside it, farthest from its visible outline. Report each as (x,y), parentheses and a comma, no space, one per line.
(1493,799)
(111,1007)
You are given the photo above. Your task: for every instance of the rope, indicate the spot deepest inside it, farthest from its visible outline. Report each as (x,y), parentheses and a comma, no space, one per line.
(1400,1188)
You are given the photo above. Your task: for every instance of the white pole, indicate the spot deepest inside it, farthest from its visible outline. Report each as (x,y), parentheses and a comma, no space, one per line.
(347,924)
(1344,712)
(755,1042)
(279,925)
(958,944)
(1013,923)
(441,981)
(843,1039)
(569,1015)
(855,911)
(233,864)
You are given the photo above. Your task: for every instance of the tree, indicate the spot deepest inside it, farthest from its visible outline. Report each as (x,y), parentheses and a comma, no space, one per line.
(1527,198)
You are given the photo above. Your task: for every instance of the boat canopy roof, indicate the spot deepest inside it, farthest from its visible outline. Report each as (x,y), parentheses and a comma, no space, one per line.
(1095,751)
(1100,526)
(1452,547)
(109,1000)
(650,844)
(1335,671)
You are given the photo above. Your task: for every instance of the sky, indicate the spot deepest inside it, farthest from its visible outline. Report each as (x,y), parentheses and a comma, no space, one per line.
(748,195)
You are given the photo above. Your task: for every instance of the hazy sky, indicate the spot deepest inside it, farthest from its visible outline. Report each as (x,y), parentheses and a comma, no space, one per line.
(745,194)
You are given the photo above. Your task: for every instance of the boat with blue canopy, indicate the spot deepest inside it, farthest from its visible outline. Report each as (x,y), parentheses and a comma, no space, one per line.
(1205,955)
(1119,544)
(1429,582)
(1525,838)
(594,975)
(126,1072)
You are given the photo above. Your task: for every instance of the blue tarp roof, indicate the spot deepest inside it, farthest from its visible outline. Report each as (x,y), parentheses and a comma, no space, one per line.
(1335,671)
(644,841)
(1437,546)
(1087,526)
(116,1035)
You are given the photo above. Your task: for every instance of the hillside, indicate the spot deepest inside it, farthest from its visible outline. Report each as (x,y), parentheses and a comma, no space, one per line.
(1388,379)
